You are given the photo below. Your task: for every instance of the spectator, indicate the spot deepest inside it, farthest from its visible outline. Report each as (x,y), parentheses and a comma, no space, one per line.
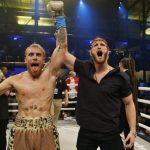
(127,65)
(3,112)
(60,93)
(72,84)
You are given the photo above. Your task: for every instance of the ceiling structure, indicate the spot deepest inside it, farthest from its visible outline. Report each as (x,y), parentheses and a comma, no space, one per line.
(21,15)
(136,8)
(139,10)
(29,18)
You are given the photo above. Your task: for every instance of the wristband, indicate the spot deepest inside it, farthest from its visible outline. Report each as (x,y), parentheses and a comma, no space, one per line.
(60,22)
(134,133)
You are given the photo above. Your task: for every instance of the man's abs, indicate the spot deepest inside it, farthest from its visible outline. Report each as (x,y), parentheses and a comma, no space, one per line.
(34,111)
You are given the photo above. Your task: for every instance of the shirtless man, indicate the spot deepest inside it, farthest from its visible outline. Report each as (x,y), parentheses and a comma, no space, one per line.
(33,128)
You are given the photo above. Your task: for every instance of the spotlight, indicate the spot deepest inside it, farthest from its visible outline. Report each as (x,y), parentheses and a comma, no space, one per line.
(15,38)
(81,2)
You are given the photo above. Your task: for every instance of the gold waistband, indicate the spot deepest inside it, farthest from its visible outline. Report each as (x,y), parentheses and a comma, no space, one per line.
(35,122)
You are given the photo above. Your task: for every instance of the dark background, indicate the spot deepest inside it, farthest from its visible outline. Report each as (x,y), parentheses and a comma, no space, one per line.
(123,27)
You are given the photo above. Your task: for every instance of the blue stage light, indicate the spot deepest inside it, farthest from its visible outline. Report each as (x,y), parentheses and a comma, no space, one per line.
(16,37)
(81,2)
(122,11)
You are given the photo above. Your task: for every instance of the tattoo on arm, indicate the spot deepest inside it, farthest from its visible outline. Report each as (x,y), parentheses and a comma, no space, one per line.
(46,65)
(61,35)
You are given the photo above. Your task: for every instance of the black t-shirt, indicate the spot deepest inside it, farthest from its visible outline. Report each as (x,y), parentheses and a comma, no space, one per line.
(61,86)
(99,104)
(4,106)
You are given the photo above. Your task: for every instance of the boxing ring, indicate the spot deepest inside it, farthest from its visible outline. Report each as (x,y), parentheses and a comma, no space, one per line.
(147,102)
(68,127)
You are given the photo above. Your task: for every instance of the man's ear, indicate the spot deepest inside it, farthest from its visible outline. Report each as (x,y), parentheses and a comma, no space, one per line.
(90,52)
(44,59)
(109,52)
(25,60)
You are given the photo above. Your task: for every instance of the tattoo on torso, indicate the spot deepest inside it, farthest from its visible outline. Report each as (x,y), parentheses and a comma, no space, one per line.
(31,107)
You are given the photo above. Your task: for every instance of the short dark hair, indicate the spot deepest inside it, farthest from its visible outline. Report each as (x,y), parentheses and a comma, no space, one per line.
(98,38)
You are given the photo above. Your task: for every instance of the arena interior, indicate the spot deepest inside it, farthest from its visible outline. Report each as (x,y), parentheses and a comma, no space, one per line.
(124,23)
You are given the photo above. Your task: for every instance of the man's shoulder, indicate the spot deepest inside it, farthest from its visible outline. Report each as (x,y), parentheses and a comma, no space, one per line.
(124,76)
(84,64)
(67,79)
(18,76)
(83,61)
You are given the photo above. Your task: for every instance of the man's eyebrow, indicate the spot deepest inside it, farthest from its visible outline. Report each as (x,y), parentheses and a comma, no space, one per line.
(94,42)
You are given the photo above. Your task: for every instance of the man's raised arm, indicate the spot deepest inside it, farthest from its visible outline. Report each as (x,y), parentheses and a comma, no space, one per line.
(56,11)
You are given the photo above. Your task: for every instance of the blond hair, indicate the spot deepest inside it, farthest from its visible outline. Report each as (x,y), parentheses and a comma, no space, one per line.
(35,45)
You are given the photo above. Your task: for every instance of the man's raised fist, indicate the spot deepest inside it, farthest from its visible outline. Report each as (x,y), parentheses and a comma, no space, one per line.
(55,8)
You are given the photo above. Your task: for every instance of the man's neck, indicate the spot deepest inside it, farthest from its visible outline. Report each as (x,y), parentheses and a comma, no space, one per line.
(102,67)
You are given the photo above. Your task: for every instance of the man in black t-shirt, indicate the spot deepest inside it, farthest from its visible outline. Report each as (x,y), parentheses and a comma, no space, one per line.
(101,90)
(3,112)
(60,94)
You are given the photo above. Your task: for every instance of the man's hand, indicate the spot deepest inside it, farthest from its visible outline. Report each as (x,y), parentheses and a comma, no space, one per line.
(66,103)
(55,8)
(56,11)
(129,141)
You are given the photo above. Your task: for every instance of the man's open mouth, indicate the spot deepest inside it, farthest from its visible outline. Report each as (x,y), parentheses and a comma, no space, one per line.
(35,66)
(99,53)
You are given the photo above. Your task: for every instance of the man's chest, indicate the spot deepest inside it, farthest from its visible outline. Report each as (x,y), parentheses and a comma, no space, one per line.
(29,88)
(107,85)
